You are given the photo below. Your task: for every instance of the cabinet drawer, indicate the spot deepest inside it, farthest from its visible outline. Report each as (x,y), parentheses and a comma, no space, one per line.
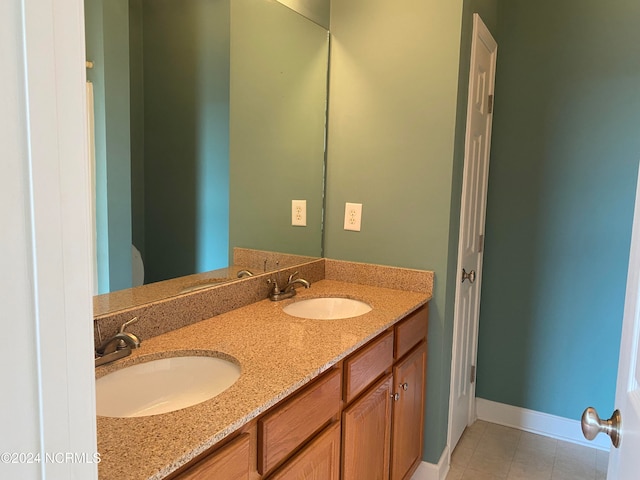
(231,462)
(367,365)
(320,459)
(411,331)
(292,423)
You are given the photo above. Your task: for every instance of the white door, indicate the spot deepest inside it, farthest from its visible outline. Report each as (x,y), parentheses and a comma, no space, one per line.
(472,218)
(624,461)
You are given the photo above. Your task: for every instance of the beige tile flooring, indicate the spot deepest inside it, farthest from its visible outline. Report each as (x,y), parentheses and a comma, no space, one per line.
(490,452)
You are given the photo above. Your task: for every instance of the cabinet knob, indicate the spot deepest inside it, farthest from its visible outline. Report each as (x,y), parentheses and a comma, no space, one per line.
(395,396)
(405,386)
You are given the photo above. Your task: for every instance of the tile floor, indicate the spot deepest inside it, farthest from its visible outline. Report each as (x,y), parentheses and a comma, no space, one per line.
(490,452)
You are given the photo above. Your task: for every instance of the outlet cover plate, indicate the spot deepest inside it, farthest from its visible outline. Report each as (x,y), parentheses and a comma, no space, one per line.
(299,213)
(352,216)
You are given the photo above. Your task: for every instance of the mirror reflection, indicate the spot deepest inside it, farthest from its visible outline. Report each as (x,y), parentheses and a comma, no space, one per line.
(209,120)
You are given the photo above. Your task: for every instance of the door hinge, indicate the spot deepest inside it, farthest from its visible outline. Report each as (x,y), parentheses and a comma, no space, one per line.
(473,374)
(480,243)
(491,103)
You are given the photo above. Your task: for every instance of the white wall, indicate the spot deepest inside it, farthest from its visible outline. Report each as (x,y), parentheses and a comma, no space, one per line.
(45,285)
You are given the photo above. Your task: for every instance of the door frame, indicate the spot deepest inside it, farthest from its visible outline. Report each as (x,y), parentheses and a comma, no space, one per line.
(51,373)
(480,34)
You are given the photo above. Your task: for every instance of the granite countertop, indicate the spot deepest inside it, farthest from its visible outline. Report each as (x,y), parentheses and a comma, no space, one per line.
(278,354)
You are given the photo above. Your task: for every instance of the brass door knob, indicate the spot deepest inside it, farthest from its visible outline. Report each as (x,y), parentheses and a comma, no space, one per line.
(592,425)
(471,276)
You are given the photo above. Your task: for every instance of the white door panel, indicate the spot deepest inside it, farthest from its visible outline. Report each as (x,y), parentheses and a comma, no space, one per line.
(624,462)
(472,219)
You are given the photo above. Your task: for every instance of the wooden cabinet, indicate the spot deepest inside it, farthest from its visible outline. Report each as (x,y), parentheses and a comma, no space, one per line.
(367,433)
(411,331)
(409,373)
(230,462)
(320,460)
(382,428)
(290,424)
(363,419)
(367,364)
(408,413)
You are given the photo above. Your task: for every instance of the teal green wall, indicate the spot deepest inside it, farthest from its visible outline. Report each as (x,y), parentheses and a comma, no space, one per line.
(561,188)
(392,110)
(107,44)
(279,63)
(164,68)
(186,136)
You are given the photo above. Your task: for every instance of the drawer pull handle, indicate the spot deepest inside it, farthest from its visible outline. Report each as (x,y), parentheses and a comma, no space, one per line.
(405,386)
(395,396)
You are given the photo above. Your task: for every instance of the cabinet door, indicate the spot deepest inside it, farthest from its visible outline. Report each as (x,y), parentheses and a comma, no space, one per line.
(320,460)
(366,429)
(231,462)
(408,413)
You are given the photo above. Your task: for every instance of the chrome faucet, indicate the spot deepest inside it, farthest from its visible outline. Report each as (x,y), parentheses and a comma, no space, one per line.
(245,273)
(288,290)
(118,346)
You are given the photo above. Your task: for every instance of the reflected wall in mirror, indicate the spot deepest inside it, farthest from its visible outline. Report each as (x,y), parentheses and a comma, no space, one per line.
(209,120)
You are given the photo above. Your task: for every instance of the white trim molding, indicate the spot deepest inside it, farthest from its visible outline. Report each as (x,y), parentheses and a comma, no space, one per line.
(537,422)
(51,381)
(429,471)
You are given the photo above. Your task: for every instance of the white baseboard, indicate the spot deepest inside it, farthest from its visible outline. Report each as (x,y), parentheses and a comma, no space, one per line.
(537,422)
(429,471)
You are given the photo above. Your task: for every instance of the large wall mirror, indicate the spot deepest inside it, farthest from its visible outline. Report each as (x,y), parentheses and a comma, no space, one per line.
(209,119)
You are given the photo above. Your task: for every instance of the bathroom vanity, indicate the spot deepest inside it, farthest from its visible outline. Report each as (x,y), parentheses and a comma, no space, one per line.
(369,407)
(312,396)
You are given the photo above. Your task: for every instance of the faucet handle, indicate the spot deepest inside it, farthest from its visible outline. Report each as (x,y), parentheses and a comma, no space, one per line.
(274,282)
(122,344)
(292,276)
(126,324)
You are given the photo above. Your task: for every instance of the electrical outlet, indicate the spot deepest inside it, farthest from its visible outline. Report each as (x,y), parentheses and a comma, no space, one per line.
(352,216)
(299,213)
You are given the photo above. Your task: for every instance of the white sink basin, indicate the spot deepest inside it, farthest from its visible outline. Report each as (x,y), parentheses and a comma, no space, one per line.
(163,385)
(327,308)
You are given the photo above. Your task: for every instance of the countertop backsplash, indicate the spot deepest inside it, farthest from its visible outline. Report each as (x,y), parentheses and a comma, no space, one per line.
(165,315)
